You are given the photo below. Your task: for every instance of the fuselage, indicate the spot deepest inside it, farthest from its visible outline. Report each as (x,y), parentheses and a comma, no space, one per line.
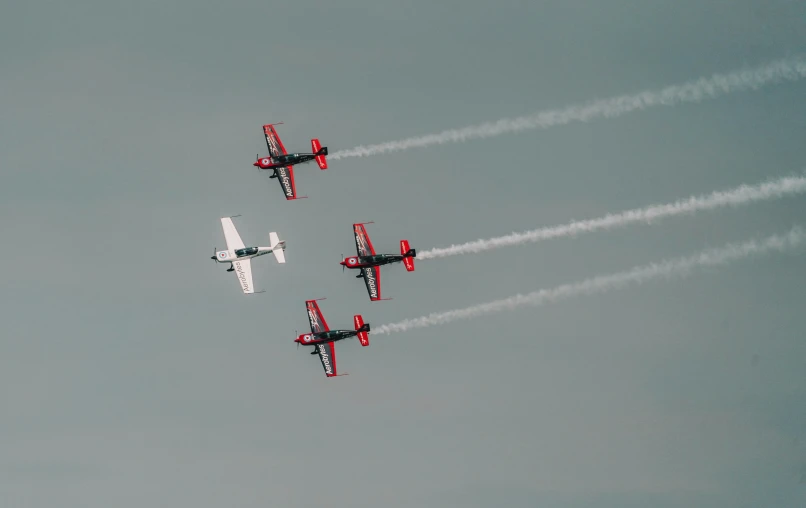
(312,339)
(230,256)
(289,159)
(367,261)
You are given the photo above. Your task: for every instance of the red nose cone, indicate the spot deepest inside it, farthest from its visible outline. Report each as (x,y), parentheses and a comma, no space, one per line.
(256,164)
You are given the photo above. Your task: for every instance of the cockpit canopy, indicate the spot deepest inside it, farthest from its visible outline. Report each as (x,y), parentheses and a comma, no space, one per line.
(246,251)
(286,157)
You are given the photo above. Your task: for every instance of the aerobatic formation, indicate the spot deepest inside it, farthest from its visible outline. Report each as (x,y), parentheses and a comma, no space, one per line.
(368,262)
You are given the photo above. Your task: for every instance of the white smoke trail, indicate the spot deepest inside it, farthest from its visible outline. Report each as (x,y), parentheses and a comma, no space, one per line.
(788,69)
(744,194)
(602,283)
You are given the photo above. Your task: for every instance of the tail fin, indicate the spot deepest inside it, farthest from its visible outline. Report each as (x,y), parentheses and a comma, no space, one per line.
(278,247)
(362,329)
(408,255)
(320,153)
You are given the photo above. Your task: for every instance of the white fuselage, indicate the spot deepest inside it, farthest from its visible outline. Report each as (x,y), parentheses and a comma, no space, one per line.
(230,256)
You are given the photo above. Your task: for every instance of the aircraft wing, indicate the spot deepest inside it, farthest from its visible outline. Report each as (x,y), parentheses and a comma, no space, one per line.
(277,249)
(327,355)
(243,270)
(317,320)
(372,278)
(273,141)
(231,234)
(285,175)
(362,244)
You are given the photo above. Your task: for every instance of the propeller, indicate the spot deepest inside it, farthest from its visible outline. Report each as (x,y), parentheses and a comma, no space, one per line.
(296,335)
(257,158)
(342,266)
(214,251)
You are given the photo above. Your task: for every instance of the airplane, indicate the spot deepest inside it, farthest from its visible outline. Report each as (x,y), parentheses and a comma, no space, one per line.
(282,162)
(368,262)
(240,257)
(324,339)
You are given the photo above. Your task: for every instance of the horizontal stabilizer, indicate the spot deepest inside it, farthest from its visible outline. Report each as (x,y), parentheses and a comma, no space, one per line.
(320,153)
(278,247)
(362,329)
(408,255)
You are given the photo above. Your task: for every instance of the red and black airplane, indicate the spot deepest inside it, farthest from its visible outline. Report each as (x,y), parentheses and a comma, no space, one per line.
(282,163)
(324,339)
(369,262)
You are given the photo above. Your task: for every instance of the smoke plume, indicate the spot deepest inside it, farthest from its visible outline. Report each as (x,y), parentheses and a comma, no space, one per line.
(742,195)
(788,69)
(664,269)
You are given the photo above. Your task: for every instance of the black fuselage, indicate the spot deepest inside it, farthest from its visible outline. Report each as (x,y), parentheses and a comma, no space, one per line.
(379,259)
(333,336)
(291,159)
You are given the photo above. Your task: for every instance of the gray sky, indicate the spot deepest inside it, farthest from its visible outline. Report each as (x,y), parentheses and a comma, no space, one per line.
(133,371)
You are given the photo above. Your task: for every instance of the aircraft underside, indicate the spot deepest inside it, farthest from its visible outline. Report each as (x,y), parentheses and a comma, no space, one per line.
(383,261)
(293,162)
